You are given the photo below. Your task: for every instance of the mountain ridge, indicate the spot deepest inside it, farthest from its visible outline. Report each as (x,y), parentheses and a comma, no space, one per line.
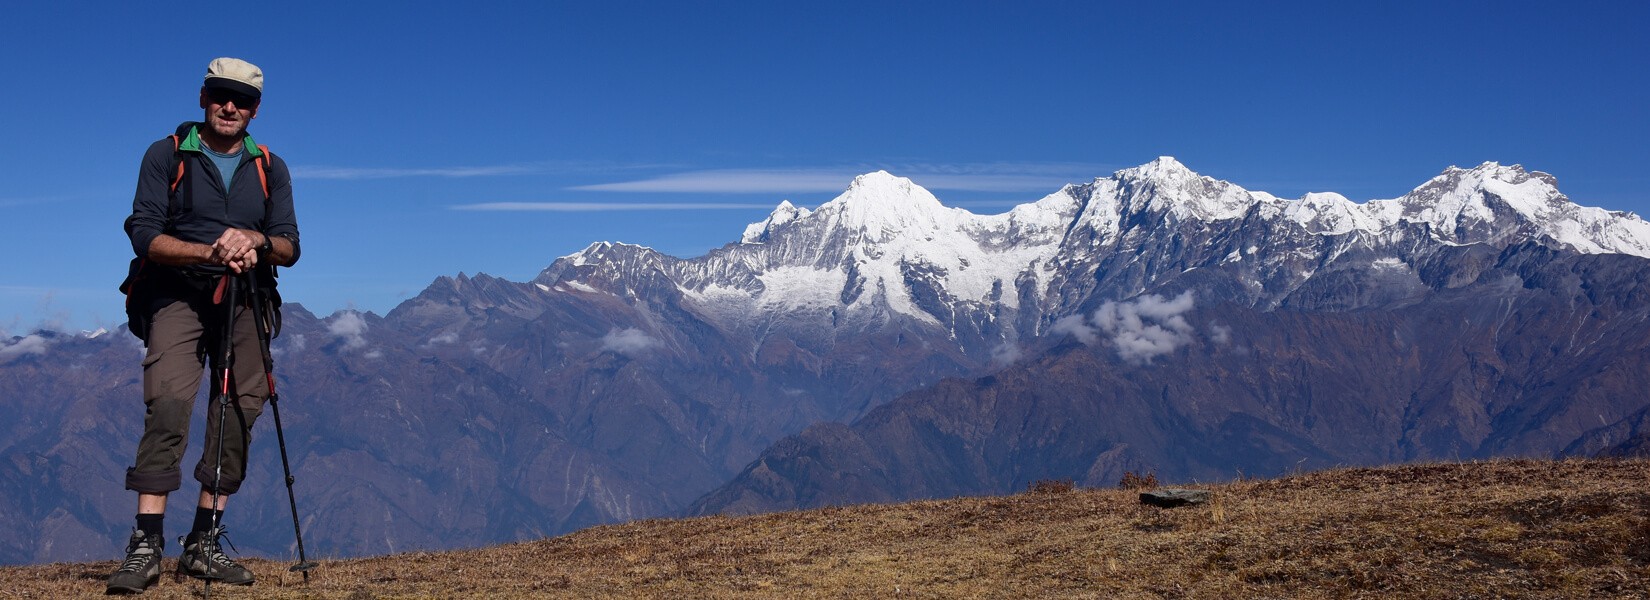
(621,383)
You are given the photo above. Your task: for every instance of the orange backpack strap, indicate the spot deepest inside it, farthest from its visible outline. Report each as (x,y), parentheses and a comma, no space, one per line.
(263,166)
(179,177)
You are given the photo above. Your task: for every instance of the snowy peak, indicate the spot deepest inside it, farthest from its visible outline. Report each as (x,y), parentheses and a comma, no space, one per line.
(1481,194)
(1491,202)
(762,231)
(1166,186)
(1328,213)
(1164,173)
(595,253)
(882,206)
(1165,168)
(886,245)
(612,258)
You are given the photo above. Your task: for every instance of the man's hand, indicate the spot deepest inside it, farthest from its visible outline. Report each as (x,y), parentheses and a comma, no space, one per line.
(237,249)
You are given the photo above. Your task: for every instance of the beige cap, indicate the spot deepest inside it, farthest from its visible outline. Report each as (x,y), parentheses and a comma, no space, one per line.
(237,75)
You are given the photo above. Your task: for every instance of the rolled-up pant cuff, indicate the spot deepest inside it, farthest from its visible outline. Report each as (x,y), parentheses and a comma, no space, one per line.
(158,482)
(229,484)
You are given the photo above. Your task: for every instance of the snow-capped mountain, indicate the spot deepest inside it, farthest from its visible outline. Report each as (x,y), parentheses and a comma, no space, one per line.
(1485,205)
(1198,330)
(887,248)
(1154,318)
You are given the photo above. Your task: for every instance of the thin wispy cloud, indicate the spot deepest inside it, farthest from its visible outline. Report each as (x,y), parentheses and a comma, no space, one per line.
(735,181)
(988,177)
(1082,170)
(390,173)
(991,183)
(979,177)
(1001,176)
(607,206)
(531,168)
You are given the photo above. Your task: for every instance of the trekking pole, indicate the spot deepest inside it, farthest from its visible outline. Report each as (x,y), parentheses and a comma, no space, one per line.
(226,354)
(264,325)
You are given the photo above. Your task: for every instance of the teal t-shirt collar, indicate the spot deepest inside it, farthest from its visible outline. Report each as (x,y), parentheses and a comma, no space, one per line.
(226,163)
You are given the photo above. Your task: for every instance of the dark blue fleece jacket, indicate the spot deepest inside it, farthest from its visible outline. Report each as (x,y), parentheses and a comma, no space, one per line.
(203,210)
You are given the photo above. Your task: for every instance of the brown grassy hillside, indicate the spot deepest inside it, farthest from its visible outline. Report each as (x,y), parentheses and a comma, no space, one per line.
(1503,529)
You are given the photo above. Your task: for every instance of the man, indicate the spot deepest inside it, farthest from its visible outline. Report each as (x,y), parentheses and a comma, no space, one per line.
(229,210)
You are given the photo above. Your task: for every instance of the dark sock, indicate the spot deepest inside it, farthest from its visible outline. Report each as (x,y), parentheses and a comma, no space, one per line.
(151,524)
(203,518)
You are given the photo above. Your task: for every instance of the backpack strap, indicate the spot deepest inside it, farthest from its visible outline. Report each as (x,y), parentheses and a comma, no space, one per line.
(179,158)
(269,210)
(263,169)
(172,195)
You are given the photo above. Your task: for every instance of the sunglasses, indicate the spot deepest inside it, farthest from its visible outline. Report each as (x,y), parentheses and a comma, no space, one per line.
(222,96)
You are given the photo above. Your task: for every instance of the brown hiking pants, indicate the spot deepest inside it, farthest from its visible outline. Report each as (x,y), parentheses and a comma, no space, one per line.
(183,335)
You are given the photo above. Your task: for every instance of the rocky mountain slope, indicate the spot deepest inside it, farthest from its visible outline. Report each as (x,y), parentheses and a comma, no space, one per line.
(1214,332)
(1556,360)
(1155,319)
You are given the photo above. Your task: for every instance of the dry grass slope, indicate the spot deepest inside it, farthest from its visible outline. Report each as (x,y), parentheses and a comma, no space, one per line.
(1501,529)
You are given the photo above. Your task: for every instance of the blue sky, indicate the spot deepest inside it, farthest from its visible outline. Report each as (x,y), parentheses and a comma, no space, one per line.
(432,138)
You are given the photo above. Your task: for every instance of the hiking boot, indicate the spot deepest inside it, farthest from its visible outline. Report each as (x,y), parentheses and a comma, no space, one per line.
(203,558)
(142,565)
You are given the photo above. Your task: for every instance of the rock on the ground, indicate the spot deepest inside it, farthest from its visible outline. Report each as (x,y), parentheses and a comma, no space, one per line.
(1173,498)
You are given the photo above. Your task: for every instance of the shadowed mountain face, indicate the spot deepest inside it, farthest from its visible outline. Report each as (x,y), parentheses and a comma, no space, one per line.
(1544,352)
(1155,320)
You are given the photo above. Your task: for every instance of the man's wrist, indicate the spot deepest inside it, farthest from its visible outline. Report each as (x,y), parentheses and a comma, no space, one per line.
(267,247)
